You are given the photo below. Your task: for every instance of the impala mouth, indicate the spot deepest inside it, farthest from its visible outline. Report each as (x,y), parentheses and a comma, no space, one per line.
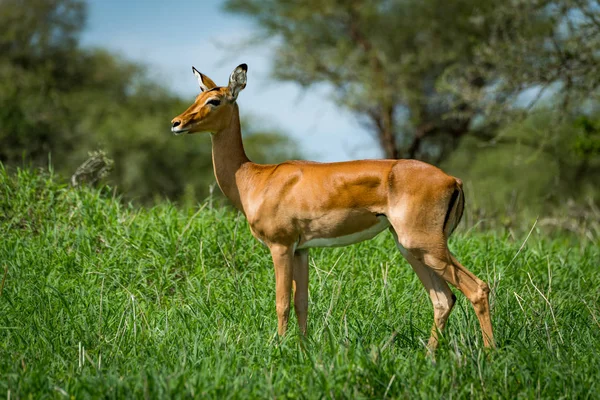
(178,131)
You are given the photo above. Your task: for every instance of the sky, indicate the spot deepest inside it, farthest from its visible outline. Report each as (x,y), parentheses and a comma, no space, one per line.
(171,36)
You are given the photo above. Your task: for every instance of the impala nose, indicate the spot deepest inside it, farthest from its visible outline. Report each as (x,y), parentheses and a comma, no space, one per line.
(176,125)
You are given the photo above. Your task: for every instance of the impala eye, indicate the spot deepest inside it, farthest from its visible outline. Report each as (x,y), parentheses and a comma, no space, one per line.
(214,102)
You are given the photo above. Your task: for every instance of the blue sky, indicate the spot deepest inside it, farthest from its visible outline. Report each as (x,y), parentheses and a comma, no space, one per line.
(171,36)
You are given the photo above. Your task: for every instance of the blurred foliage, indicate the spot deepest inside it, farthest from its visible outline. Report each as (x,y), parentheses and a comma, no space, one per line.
(382,58)
(59,102)
(423,74)
(531,168)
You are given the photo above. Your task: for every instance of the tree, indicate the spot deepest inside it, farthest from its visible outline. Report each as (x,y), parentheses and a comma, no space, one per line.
(550,45)
(542,62)
(422,74)
(60,99)
(382,59)
(37,40)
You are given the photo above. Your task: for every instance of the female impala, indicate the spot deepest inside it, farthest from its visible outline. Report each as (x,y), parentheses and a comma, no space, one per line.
(297,205)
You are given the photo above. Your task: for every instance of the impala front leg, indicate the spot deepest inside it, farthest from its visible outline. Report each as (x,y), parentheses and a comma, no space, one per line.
(283,260)
(301,288)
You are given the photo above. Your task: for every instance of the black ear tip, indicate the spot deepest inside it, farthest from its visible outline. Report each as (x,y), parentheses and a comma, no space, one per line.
(244,67)
(194,69)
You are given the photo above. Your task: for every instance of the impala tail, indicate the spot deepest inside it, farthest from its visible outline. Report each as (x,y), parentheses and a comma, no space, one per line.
(456,207)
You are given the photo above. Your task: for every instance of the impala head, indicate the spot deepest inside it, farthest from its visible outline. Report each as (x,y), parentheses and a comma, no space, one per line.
(211,112)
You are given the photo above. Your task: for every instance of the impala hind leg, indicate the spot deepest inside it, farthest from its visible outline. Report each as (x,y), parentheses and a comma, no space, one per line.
(283,261)
(300,285)
(477,291)
(432,251)
(441,296)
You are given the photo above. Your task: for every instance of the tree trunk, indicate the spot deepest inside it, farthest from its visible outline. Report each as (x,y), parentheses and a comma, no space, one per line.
(387,137)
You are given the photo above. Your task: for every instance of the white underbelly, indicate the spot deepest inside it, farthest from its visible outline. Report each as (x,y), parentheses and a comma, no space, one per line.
(346,240)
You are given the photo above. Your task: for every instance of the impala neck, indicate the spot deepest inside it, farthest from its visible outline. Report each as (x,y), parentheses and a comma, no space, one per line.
(228,158)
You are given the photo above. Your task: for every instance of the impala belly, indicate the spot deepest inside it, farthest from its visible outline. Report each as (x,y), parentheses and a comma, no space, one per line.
(346,240)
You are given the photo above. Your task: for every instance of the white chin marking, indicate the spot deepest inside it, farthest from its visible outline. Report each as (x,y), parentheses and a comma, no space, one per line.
(356,237)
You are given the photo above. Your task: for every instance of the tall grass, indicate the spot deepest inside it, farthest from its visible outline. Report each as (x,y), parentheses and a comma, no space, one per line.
(101,299)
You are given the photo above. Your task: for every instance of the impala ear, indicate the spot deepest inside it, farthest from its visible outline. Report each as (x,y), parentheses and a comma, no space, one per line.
(204,81)
(237,80)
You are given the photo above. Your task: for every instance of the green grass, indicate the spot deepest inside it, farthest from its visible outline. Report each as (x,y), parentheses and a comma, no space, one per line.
(102,299)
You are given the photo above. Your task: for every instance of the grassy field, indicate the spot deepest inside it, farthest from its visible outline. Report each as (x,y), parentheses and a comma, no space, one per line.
(100,299)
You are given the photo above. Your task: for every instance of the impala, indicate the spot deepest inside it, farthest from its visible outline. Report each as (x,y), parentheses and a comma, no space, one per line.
(296,205)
